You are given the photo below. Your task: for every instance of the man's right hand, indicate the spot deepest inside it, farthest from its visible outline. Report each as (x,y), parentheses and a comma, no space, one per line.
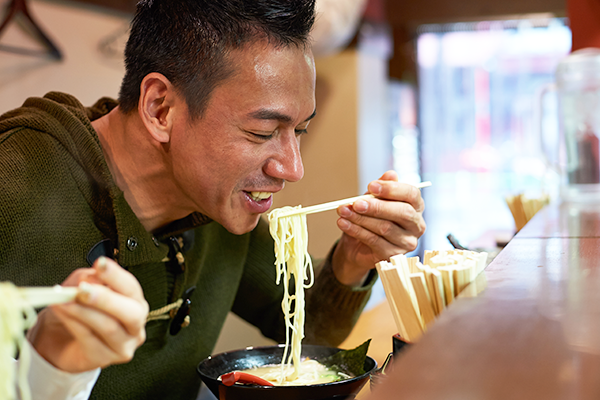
(104,326)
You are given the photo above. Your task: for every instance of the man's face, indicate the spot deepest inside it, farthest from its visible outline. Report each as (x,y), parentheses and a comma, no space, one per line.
(246,145)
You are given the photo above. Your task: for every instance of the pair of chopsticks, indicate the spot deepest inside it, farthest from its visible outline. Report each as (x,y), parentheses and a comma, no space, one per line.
(418,292)
(335,204)
(523,208)
(42,296)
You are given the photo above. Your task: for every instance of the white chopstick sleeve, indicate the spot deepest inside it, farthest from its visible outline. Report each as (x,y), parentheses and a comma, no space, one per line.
(49,383)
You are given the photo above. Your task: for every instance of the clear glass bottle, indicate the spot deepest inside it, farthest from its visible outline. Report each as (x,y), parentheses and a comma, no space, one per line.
(578,89)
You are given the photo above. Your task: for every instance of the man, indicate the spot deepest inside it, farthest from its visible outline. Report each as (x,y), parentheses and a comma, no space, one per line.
(171,183)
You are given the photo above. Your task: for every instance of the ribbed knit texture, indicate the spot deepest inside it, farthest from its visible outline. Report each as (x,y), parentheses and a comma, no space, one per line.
(58,199)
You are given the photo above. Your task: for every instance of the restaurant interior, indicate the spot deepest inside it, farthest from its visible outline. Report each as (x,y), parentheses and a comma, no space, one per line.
(451,92)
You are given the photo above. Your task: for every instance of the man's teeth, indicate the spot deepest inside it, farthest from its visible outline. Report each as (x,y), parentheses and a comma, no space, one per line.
(260,195)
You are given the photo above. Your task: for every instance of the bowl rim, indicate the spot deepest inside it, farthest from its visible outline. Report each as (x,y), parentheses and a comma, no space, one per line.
(282,345)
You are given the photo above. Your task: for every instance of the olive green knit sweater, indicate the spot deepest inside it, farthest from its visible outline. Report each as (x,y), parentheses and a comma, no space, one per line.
(58,201)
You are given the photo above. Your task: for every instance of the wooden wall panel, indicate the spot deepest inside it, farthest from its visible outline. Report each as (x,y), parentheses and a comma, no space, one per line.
(584,16)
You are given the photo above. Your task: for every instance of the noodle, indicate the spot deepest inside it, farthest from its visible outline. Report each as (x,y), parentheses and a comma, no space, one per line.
(15,317)
(311,373)
(292,260)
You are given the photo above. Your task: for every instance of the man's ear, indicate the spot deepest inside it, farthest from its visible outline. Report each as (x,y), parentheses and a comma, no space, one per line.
(156,106)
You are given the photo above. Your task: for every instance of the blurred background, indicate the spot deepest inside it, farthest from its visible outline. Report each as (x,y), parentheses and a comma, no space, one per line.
(438,90)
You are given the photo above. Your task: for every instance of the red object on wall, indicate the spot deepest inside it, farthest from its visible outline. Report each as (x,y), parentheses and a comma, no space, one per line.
(375,11)
(584,19)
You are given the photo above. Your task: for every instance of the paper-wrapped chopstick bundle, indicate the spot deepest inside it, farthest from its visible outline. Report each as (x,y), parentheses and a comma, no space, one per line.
(523,208)
(418,292)
(406,312)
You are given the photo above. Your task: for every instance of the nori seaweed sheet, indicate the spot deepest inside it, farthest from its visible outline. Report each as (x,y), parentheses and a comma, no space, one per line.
(350,361)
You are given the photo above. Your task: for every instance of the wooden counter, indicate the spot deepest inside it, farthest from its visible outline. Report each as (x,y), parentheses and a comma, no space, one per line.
(532,333)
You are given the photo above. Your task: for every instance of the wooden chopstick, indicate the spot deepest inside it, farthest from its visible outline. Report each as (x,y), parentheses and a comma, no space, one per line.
(418,292)
(406,312)
(380,266)
(42,296)
(335,204)
(423,297)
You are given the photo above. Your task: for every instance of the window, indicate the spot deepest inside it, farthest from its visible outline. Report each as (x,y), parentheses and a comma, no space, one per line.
(479,85)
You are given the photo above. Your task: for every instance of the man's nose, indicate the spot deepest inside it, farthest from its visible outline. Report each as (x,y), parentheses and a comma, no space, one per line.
(286,163)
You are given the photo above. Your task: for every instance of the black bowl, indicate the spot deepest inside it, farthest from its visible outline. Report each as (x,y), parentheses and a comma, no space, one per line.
(211,368)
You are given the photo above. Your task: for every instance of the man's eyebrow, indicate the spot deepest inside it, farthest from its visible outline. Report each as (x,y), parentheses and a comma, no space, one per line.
(276,115)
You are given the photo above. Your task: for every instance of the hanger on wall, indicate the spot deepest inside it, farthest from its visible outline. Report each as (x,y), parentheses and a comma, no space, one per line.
(20,6)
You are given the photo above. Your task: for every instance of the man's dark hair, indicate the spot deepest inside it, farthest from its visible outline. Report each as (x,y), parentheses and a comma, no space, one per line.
(188,41)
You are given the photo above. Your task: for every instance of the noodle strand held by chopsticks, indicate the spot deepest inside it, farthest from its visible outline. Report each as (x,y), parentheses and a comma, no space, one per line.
(292,260)
(16,316)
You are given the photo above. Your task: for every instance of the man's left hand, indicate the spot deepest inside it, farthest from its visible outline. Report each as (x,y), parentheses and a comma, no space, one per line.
(376,229)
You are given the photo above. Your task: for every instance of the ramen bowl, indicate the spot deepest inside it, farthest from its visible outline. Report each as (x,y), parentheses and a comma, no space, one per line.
(213,367)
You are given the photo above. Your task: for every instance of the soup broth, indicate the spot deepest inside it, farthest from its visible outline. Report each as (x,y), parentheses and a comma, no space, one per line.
(310,372)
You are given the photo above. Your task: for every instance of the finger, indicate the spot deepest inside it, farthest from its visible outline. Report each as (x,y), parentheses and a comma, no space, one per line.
(376,215)
(104,328)
(129,312)
(81,275)
(396,191)
(110,330)
(117,278)
(386,229)
(384,246)
(390,175)
(95,349)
